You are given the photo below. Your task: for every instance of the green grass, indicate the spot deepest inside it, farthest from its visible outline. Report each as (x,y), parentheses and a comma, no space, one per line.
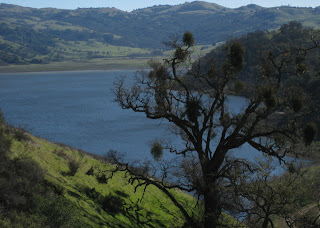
(155,209)
(95,64)
(52,24)
(77,48)
(120,59)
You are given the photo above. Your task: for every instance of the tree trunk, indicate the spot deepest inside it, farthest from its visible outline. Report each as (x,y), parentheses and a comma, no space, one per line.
(265,223)
(212,209)
(212,206)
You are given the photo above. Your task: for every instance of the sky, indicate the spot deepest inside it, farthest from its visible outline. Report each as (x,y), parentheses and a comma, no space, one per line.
(129,5)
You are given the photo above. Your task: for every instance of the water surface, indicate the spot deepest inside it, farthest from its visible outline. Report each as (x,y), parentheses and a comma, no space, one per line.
(77,109)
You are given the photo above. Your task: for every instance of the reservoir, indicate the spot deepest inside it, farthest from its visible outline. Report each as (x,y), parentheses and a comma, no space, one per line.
(77,109)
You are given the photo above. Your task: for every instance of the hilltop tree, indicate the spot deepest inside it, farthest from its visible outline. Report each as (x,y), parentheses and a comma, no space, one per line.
(196,103)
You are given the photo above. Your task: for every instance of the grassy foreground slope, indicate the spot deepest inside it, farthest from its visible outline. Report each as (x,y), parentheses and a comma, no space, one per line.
(111,204)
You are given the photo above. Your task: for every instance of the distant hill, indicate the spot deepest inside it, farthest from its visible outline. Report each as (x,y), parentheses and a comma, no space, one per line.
(27,33)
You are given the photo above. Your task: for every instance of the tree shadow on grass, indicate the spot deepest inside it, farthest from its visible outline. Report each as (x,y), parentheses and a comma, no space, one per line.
(115,204)
(140,216)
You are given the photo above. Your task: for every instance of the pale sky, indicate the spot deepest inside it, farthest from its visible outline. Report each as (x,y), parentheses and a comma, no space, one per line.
(129,5)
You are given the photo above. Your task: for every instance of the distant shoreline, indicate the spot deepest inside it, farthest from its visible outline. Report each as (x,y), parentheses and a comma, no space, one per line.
(133,64)
(61,71)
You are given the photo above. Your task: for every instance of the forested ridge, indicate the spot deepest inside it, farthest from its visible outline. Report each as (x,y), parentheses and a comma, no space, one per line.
(260,44)
(44,35)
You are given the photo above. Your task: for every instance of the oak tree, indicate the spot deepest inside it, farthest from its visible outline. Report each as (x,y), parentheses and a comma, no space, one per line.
(195,101)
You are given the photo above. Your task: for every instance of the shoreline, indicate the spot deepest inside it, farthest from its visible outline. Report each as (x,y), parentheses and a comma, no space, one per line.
(70,66)
(70,71)
(50,70)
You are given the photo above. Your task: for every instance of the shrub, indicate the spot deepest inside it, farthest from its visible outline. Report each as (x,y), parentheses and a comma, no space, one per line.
(5,142)
(57,189)
(112,204)
(20,180)
(90,171)
(61,154)
(56,211)
(93,194)
(102,178)
(20,220)
(73,166)
(20,134)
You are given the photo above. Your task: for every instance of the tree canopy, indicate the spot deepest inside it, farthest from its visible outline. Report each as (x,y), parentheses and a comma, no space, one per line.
(195,101)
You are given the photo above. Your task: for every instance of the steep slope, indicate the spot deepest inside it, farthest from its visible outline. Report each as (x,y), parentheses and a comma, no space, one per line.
(74,189)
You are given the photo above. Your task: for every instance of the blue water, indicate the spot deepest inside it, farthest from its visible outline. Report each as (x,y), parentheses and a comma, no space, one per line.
(77,109)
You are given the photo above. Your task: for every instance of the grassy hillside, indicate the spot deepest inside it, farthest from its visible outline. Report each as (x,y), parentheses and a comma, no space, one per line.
(123,61)
(72,175)
(37,36)
(89,203)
